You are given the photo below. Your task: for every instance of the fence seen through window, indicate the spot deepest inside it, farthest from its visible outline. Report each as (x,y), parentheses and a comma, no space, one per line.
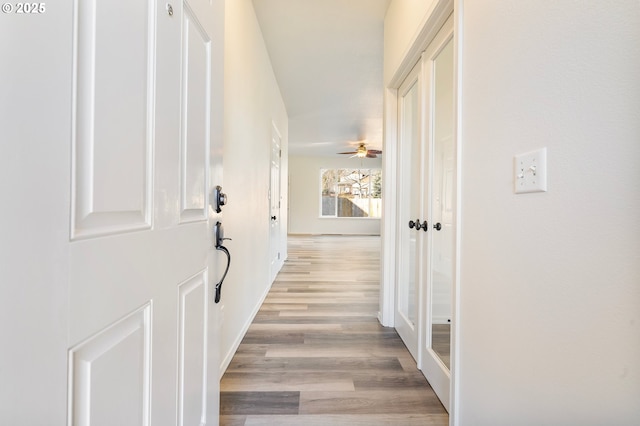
(351,192)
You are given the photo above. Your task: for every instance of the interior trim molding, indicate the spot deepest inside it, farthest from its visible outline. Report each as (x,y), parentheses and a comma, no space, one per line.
(458,34)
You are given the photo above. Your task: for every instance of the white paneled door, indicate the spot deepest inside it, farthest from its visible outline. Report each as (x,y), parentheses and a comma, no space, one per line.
(140,257)
(138,265)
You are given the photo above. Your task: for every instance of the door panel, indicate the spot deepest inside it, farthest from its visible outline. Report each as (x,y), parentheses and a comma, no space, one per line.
(409,208)
(112,57)
(440,257)
(196,119)
(112,369)
(192,347)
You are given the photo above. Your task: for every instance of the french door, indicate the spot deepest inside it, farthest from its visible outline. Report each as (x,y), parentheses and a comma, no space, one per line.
(426,211)
(410,207)
(439,259)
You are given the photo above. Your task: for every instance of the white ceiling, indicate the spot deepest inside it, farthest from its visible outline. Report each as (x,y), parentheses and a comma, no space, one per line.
(327,58)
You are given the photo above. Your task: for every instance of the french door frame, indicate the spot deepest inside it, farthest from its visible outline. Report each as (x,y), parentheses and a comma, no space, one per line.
(433,22)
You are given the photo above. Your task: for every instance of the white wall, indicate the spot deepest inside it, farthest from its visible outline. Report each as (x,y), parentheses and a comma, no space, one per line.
(252,103)
(550,283)
(403,20)
(304,197)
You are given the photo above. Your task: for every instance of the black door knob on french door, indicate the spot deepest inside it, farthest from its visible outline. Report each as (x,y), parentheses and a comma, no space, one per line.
(273,218)
(411,224)
(425,226)
(437,226)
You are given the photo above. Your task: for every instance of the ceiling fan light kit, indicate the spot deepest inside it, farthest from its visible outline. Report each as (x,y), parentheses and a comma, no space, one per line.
(363,152)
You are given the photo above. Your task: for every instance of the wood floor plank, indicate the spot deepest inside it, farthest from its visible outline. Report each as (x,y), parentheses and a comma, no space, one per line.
(287,306)
(297,327)
(233,420)
(375,338)
(259,402)
(399,401)
(260,364)
(316,354)
(320,350)
(386,381)
(273,336)
(288,381)
(349,420)
(327,313)
(269,319)
(360,306)
(249,350)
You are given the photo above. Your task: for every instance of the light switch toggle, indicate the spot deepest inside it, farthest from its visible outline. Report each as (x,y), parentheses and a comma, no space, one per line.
(530,172)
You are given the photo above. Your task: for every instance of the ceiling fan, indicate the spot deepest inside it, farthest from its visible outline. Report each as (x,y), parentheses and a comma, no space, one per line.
(362,152)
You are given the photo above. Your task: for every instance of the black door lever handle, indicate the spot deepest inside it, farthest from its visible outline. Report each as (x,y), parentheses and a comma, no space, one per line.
(218,286)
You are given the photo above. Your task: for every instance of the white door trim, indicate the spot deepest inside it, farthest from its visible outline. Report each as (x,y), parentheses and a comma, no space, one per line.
(458,35)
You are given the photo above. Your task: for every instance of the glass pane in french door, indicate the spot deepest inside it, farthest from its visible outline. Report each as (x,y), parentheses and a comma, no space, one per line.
(442,202)
(411,187)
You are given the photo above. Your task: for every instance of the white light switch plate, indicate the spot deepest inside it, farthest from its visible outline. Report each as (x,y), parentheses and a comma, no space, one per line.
(530,171)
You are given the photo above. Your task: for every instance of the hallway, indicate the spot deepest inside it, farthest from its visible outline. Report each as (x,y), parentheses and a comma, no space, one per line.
(316,355)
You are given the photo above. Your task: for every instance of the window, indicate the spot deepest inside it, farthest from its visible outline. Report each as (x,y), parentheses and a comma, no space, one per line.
(351,192)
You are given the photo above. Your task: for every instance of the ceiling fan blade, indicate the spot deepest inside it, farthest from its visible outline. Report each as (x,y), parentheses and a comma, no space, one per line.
(375,151)
(350,152)
(371,155)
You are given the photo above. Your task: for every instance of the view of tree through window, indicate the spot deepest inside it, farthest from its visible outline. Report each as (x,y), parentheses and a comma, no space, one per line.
(351,192)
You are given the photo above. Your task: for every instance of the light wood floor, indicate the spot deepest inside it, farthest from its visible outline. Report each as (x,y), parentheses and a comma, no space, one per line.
(316,353)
